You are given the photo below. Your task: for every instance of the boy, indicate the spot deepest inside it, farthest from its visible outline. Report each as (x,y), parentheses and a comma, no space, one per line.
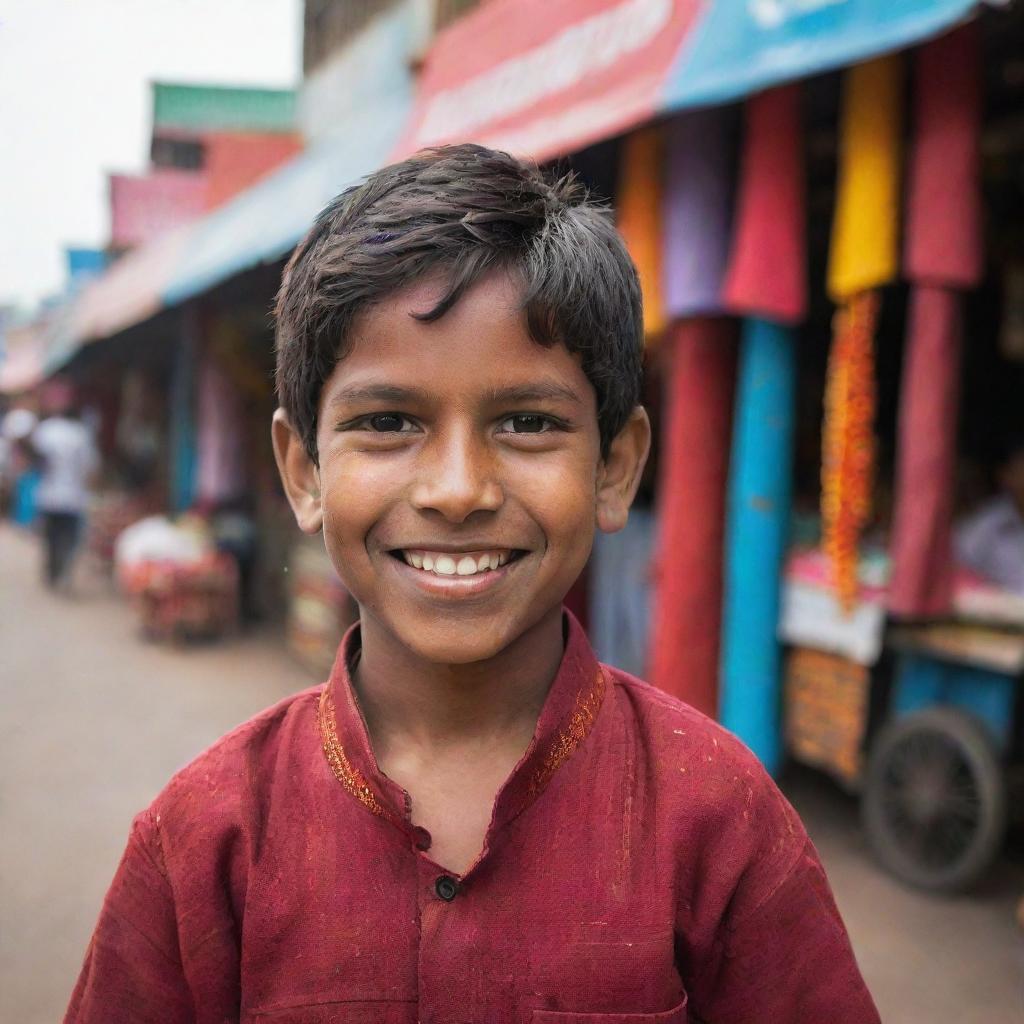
(473,820)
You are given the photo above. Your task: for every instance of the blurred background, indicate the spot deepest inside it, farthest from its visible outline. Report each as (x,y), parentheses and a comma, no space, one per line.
(824,201)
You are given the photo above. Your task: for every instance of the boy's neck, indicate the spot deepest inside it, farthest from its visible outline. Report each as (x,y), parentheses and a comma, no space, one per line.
(408,700)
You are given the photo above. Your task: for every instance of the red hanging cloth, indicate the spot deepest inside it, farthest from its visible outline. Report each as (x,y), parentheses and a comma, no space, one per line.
(767,273)
(691,494)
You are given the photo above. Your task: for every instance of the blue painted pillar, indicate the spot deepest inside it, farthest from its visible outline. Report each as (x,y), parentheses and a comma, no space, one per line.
(757,524)
(183,440)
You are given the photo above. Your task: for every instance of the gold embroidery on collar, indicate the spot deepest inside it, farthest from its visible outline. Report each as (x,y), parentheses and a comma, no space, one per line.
(572,734)
(352,781)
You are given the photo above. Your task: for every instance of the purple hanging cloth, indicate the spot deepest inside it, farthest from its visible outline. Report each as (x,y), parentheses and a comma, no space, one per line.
(698,210)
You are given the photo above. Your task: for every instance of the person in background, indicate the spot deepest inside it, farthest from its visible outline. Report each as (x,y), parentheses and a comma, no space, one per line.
(65,453)
(991,540)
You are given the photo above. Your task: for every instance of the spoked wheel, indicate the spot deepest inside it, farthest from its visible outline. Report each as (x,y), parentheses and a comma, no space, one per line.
(934,800)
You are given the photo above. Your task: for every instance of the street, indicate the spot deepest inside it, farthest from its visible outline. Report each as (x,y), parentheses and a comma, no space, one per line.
(95,721)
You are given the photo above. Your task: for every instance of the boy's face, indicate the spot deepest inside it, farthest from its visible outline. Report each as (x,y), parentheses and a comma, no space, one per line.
(460,476)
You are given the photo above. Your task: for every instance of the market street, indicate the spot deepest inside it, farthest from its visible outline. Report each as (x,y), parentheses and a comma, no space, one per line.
(95,721)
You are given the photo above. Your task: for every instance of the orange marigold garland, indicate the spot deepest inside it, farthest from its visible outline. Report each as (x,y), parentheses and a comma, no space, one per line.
(848,443)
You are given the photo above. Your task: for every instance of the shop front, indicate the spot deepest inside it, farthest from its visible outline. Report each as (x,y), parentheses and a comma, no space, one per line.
(816,195)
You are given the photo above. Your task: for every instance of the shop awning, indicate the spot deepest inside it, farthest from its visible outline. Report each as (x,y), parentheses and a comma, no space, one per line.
(259,225)
(266,221)
(22,358)
(546,77)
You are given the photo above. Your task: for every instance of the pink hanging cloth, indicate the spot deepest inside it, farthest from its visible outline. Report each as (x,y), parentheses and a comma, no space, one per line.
(691,521)
(767,270)
(701,355)
(943,253)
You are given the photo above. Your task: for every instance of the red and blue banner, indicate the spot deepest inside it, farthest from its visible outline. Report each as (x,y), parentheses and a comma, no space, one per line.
(547,77)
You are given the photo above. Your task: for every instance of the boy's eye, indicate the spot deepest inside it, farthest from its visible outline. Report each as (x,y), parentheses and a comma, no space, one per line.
(388,423)
(526,423)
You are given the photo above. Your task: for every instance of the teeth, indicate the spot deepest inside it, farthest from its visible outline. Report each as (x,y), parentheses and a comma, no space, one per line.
(457,565)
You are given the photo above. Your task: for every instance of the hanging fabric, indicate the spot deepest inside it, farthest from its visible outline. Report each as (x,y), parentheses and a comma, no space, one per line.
(639,217)
(943,242)
(220,437)
(848,445)
(767,272)
(691,502)
(701,357)
(922,534)
(697,210)
(862,257)
(760,483)
(943,252)
(766,279)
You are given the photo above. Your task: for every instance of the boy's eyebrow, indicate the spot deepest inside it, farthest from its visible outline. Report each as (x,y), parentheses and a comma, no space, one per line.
(535,391)
(356,393)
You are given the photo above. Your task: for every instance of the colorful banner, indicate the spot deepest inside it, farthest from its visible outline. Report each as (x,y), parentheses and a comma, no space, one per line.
(743,46)
(545,77)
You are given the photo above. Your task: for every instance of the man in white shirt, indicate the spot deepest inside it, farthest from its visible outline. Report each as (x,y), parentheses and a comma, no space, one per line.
(991,540)
(67,459)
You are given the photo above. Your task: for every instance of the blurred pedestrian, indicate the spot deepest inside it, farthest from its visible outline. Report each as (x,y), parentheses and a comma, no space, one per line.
(66,456)
(17,474)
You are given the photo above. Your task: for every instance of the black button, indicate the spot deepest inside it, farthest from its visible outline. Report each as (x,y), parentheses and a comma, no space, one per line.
(422,838)
(446,888)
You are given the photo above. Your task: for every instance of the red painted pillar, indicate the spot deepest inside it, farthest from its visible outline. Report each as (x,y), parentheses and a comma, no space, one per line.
(694,469)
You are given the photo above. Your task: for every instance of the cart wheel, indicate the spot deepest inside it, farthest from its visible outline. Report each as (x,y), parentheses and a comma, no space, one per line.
(934,803)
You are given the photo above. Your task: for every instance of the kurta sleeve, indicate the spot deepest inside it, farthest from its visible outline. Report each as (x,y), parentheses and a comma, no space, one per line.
(133,970)
(782,955)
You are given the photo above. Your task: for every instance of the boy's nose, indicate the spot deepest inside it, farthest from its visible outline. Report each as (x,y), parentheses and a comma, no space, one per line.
(457,478)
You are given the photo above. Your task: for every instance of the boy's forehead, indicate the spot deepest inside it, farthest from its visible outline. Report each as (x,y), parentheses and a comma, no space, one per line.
(482,344)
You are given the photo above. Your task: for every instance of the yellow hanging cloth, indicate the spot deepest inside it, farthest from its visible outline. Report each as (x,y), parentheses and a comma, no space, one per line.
(864,254)
(639,217)
(864,250)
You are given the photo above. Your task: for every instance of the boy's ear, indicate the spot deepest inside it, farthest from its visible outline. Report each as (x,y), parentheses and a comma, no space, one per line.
(300,476)
(620,472)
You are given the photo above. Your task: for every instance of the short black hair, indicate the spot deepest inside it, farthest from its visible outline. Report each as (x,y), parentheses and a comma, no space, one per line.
(463,211)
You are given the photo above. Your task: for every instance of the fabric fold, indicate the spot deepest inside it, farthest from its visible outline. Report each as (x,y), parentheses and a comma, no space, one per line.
(863,256)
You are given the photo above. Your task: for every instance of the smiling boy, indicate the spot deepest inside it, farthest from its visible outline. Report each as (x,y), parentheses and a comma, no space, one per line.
(473,820)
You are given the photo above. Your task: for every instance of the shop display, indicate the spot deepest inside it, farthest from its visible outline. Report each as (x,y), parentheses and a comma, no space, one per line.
(180,586)
(826,702)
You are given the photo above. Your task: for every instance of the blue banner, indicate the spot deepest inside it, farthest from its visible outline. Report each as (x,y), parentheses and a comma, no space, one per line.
(744,46)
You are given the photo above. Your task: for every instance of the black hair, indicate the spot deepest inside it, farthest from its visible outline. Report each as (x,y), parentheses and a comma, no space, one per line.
(464,211)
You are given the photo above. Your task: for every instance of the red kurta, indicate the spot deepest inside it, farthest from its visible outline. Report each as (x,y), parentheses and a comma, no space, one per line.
(639,866)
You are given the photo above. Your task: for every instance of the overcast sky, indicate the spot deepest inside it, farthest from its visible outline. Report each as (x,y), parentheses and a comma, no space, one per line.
(75,104)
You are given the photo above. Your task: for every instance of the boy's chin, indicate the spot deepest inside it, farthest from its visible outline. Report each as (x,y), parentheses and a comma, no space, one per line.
(458,643)
(457,640)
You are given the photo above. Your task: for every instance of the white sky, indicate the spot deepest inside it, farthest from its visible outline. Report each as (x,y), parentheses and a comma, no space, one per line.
(75,104)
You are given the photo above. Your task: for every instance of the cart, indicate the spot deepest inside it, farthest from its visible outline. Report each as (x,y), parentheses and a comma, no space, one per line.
(924,722)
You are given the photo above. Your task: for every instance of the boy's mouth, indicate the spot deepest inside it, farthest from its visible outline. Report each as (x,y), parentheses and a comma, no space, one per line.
(457,563)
